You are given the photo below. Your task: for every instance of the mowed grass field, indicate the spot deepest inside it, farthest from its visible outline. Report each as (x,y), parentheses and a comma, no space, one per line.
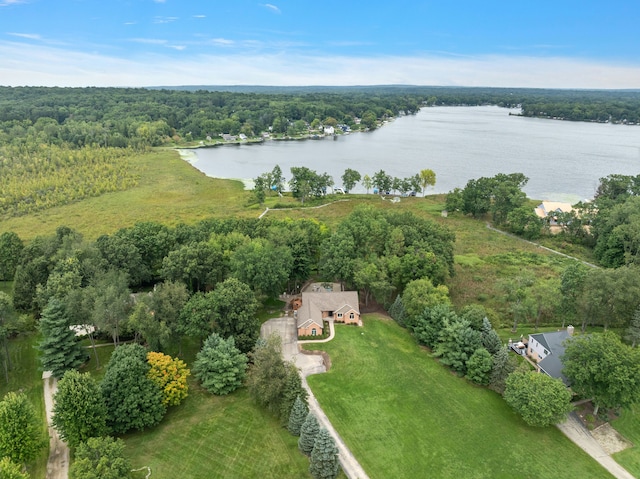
(628,424)
(210,437)
(405,416)
(26,376)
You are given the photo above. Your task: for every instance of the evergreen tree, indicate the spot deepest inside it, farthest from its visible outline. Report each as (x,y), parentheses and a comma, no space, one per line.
(490,339)
(308,432)
(397,312)
(220,366)
(79,411)
(503,365)
(479,367)
(290,392)
(324,462)
(59,348)
(298,415)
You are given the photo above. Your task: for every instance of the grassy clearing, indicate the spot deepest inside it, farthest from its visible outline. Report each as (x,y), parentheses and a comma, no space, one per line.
(628,424)
(26,376)
(211,436)
(217,437)
(405,415)
(170,191)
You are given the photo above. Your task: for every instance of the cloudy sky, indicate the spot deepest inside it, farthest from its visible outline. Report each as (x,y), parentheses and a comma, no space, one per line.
(509,43)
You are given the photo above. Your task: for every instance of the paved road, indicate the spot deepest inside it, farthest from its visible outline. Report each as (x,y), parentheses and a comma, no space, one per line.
(312,364)
(58,463)
(575,430)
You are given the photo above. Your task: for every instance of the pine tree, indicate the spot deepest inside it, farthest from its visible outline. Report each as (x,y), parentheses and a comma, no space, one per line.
(220,366)
(292,389)
(324,462)
(397,312)
(490,339)
(503,365)
(296,418)
(308,432)
(59,348)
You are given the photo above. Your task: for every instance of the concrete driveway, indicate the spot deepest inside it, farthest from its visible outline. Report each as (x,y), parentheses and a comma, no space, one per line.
(286,328)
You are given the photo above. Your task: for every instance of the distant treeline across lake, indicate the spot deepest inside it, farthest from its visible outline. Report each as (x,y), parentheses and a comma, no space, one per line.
(564,160)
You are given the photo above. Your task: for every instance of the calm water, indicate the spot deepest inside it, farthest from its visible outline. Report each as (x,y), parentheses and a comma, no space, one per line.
(563,160)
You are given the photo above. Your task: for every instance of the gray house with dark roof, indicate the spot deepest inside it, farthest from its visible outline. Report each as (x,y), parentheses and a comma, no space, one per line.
(546,349)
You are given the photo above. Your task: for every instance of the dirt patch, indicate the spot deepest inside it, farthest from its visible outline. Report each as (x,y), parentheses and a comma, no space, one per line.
(610,439)
(584,410)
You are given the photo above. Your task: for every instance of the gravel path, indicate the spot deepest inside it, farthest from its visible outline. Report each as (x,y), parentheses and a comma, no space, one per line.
(58,463)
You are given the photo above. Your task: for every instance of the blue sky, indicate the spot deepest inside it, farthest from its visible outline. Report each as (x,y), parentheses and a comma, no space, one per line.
(515,43)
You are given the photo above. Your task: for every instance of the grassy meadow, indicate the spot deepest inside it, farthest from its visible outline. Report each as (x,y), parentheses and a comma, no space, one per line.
(404,415)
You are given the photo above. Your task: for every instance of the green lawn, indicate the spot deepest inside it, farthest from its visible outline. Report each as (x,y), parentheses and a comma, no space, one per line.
(628,424)
(404,415)
(27,377)
(217,437)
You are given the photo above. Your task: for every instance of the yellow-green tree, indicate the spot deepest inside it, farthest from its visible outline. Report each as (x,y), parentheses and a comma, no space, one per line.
(170,374)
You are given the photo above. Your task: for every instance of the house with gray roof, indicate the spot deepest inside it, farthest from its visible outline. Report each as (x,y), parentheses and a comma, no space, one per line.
(320,306)
(547,349)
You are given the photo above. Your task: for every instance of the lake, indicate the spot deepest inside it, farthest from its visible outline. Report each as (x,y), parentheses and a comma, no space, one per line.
(563,160)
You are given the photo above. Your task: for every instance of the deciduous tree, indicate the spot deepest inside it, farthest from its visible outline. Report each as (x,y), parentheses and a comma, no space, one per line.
(79,411)
(427,178)
(540,399)
(601,367)
(349,179)
(100,458)
(20,430)
(10,249)
(133,400)
(11,470)
(234,313)
(170,375)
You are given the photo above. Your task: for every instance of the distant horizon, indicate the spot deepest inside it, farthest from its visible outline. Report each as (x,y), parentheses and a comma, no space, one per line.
(231,87)
(504,44)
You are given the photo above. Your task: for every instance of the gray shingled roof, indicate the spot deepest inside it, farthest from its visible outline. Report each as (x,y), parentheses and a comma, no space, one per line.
(313,304)
(553,342)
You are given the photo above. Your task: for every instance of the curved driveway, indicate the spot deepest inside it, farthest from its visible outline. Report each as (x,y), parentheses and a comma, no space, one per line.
(312,364)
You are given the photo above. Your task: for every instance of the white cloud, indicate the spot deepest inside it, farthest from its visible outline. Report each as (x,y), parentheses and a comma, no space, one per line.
(24,64)
(149,41)
(272,7)
(30,36)
(162,20)
(199,16)
(222,41)
(8,3)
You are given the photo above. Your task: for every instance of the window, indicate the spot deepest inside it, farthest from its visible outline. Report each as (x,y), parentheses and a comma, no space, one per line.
(339,315)
(313,332)
(352,316)
(546,352)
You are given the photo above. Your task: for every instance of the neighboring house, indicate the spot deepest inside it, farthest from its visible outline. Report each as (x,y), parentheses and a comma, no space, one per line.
(329,130)
(317,307)
(546,349)
(546,207)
